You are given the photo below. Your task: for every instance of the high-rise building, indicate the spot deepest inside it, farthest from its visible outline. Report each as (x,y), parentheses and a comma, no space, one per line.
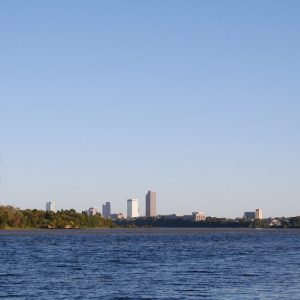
(106,210)
(151,204)
(50,206)
(258,213)
(132,208)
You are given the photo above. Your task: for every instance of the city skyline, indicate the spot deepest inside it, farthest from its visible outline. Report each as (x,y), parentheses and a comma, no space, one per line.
(198,101)
(149,149)
(133,210)
(151,195)
(150,212)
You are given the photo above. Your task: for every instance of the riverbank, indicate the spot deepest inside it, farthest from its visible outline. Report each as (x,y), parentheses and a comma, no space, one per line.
(11,217)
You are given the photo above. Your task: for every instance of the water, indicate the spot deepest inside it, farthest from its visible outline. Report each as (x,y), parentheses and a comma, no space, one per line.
(150,264)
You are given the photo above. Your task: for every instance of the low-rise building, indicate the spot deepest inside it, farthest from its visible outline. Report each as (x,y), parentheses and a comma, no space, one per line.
(198,216)
(249,215)
(93,211)
(116,216)
(275,222)
(194,217)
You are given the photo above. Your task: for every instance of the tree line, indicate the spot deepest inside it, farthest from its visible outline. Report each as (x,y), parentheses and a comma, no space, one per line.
(11,217)
(209,222)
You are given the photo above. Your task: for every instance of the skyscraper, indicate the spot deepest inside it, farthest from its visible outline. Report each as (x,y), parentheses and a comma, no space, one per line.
(132,208)
(106,209)
(50,206)
(258,214)
(151,204)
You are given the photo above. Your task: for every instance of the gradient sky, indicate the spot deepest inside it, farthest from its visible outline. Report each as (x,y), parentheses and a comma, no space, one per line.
(196,100)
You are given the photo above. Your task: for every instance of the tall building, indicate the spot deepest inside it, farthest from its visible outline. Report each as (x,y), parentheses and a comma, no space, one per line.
(258,214)
(106,209)
(50,206)
(151,204)
(132,208)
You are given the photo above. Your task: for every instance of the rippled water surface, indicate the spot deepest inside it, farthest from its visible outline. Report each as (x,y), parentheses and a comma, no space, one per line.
(150,264)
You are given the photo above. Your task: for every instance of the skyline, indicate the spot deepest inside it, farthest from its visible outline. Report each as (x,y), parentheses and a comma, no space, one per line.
(150,201)
(103,101)
(135,209)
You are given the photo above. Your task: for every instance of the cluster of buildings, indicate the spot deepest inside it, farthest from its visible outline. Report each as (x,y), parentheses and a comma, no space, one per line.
(150,210)
(132,209)
(253,215)
(106,212)
(194,217)
(133,206)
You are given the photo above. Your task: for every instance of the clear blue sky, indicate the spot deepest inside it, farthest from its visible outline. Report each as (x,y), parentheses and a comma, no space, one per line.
(197,100)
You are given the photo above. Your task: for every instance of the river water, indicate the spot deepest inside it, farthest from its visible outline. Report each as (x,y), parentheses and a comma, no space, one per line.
(150,264)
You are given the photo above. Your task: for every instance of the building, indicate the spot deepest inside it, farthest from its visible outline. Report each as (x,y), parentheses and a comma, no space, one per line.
(275,222)
(194,217)
(116,216)
(50,206)
(258,214)
(253,215)
(249,215)
(93,211)
(151,204)
(132,208)
(198,216)
(106,210)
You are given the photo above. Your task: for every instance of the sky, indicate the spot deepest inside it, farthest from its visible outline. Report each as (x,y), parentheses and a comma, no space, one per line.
(196,100)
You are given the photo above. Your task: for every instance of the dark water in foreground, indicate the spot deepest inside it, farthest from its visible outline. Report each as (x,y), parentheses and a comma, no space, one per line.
(150,264)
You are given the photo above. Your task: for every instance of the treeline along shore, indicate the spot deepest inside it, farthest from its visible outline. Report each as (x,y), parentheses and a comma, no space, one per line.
(11,217)
(210,222)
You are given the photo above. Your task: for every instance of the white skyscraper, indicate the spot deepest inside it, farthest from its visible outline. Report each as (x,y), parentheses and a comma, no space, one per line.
(258,213)
(50,206)
(132,208)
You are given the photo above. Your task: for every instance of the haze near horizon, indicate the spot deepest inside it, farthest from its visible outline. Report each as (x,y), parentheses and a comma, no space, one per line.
(196,100)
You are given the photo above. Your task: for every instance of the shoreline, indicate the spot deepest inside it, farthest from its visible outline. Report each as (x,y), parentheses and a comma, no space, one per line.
(144,229)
